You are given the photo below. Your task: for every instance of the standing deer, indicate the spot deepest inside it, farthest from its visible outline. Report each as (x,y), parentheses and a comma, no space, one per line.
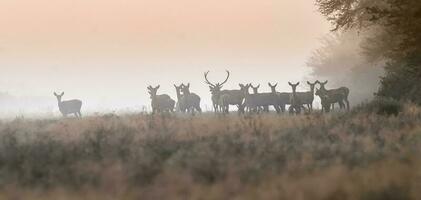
(341,94)
(232,97)
(69,107)
(191,100)
(256,91)
(253,101)
(180,103)
(295,101)
(327,100)
(307,98)
(283,97)
(161,102)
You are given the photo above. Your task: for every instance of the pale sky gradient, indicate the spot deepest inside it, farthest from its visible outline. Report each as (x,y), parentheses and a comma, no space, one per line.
(106,52)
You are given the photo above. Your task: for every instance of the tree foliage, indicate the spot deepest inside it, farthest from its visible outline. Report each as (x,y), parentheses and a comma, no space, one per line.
(398,38)
(341,61)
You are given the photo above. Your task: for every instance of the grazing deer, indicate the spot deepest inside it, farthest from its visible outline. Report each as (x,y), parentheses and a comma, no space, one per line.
(69,107)
(328,100)
(283,97)
(341,94)
(256,91)
(160,103)
(180,103)
(253,101)
(191,100)
(307,98)
(232,97)
(295,101)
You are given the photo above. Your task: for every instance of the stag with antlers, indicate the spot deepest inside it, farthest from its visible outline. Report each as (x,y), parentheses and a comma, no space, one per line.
(231,97)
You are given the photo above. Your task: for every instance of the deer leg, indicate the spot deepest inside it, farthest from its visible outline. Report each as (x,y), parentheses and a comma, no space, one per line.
(347,104)
(278,110)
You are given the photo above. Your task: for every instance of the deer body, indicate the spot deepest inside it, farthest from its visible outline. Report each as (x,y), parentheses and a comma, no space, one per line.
(160,103)
(181,104)
(69,107)
(230,97)
(328,100)
(256,91)
(295,102)
(191,101)
(307,98)
(338,95)
(283,98)
(254,101)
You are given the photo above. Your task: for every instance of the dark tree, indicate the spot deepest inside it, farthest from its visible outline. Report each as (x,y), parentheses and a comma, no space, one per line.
(398,39)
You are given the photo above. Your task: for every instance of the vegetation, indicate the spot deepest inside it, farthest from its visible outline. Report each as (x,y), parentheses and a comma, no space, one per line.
(396,21)
(355,155)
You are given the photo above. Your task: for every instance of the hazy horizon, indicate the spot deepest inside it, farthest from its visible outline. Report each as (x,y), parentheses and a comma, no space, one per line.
(107,52)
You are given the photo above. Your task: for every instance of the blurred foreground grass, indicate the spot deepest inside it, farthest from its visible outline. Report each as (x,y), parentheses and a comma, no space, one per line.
(356,155)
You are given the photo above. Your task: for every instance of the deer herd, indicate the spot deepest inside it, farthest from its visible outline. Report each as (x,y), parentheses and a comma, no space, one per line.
(245,101)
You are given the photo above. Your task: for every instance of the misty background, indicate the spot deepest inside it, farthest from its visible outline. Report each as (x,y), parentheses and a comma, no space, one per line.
(107,52)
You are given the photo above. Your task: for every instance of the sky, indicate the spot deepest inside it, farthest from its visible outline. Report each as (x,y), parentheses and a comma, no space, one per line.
(106,52)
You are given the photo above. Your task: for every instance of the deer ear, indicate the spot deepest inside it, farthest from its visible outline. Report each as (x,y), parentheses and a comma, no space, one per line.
(258,86)
(275,85)
(325,82)
(188,85)
(157,87)
(290,83)
(62,94)
(55,94)
(308,82)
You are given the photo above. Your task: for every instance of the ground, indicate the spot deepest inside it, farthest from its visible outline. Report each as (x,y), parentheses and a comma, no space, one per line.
(356,155)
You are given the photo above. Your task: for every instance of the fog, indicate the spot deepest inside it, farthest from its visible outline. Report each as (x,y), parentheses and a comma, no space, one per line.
(106,53)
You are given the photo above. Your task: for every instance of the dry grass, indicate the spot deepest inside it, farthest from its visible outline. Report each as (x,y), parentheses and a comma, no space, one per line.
(359,155)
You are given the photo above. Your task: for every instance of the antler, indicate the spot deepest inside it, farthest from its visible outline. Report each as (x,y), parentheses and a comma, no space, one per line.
(228,75)
(206,79)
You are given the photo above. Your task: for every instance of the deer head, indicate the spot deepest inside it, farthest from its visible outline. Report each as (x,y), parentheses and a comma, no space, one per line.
(255,89)
(244,88)
(273,87)
(59,96)
(322,85)
(312,85)
(178,90)
(152,91)
(294,87)
(217,86)
(185,89)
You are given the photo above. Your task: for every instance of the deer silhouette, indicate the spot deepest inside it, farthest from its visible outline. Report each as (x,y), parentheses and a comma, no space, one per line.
(307,98)
(295,101)
(283,97)
(231,97)
(69,107)
(253,101)
(160,103)
(190,100)
(337,95)
(256,91)
(180,106)
(328,101)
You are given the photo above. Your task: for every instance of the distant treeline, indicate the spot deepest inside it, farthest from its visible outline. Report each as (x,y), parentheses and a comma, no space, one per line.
(389,37)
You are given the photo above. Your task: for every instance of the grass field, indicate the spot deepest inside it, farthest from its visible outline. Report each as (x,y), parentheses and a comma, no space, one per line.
(362,154)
